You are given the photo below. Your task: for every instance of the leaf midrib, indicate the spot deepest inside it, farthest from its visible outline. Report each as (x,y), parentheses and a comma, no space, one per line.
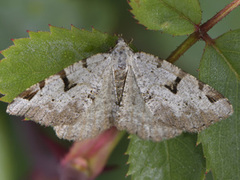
(226,61)
(178,12)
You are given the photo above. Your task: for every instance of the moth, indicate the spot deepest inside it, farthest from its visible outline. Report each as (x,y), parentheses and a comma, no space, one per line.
(136,92)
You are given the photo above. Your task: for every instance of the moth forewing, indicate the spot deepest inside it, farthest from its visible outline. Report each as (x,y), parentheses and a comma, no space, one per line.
(136,92)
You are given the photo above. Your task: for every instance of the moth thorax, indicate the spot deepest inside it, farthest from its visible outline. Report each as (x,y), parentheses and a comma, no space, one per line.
(120,78)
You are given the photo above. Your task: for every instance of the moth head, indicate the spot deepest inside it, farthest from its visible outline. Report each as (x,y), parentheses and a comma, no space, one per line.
(121,46)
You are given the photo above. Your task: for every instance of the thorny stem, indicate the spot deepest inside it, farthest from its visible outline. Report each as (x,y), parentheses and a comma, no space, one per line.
(201,32)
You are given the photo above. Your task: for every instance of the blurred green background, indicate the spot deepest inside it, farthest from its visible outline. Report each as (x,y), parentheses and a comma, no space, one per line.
(22,150)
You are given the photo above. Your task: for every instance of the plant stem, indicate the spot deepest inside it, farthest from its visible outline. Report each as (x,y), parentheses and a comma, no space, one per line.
(219,16)
(192,39)
(202,31)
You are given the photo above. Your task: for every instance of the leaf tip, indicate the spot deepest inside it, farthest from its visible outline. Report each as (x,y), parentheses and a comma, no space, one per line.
(198,142)
(72,27)
(1,95)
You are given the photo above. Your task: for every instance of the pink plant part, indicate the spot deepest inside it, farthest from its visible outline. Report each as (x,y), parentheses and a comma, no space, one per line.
(90,156)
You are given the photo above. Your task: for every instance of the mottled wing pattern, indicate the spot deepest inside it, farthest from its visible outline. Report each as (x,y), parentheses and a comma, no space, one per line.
(136,92)
(71,100)
(175,98)
(136,117)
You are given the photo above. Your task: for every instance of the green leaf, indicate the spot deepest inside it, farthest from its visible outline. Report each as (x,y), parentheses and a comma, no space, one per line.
(209,176)
(220,67)
(177,158)
(33,59)
(170,16)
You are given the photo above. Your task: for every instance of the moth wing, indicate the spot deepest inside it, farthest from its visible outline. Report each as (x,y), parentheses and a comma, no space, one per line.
(136,117)
(175,98)
(73,101)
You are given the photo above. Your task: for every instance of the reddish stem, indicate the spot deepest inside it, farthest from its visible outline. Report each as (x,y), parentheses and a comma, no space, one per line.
(219,16)
(201,33)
